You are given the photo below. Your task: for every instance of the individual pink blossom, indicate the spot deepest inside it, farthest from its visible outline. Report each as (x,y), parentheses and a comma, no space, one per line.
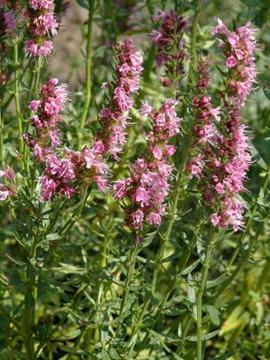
(137,218)
(195,166)
(231,62)
(114,116)
(7,184)
(145,109)
(10,21)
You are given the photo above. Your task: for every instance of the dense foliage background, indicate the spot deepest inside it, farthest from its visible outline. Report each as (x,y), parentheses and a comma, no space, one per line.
(97,293)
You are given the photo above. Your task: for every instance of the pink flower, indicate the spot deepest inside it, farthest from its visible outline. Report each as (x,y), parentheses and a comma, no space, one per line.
(4,193)
(44,24)
(45,49)
(154,219)
(233,39)
(221,28)
(120,189)
(137,219)
(157,152)
(141,196)
(216,113)
(195,166)
(145,109)
(48,187)
(31,48)
(215,219)
(7,187)
(34,105)
(10,21)
(41,4)
(98,147)
(231,62)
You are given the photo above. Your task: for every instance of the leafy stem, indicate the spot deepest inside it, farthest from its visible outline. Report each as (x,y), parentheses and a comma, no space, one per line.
(17,96)
(131,266)
(209,247)
(30,302)
(88,64)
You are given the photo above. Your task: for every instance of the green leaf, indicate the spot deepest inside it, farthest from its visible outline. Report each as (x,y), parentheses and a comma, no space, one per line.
(226,356)
(219,280)
(191,267)
(52,237)
(191,289)
(114,355)
(200,248)
(266,91)
(83,3)
(179,330)
(213,314)
(204,337)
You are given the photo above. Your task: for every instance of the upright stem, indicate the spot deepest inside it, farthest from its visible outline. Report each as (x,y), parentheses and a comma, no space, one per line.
(30,304)
(131,266)
(88,67)
(17,97)
(200,292)
(184,157)
(33,85)
(193,51)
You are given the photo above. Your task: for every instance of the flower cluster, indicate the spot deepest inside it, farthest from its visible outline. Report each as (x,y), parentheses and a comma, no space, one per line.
(42,25)
(46,115)
(7,19)
(169,42)
(238,47)
(113,136)
(148,184)
(205,131)
(8,188)
(223,157)
(61,172)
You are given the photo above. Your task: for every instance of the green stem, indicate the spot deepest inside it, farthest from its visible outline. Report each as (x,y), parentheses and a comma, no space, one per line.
(17,97)
(87,67)
(76,214)
(200,292)
(30,303)
(33,85)
(148,63)
(194,38)
(263,277)
(130,270)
